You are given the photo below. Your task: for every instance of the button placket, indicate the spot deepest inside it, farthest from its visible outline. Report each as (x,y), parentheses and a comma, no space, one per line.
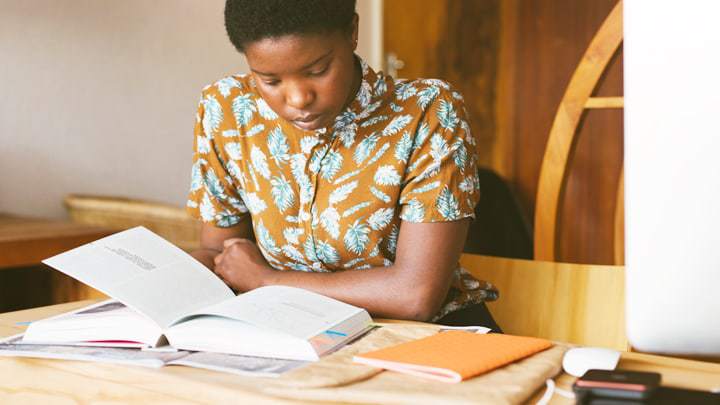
(315,177)
(310,223)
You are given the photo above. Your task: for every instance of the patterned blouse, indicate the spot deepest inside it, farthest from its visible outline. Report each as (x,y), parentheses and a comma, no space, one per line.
(333,199)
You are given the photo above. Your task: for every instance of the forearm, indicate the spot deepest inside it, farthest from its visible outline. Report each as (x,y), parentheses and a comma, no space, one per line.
(388,292)
(212,239)
(414,287)
(206,256)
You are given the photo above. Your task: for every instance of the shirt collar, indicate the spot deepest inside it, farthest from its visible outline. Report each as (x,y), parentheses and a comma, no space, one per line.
(367,99)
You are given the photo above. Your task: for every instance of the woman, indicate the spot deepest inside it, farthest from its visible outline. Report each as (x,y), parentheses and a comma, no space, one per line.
(354,185)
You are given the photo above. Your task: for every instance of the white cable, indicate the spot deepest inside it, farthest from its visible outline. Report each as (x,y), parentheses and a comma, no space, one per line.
(565,393)
(550,389)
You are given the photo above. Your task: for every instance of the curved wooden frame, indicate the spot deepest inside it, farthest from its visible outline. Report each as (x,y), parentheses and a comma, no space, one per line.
(561,141)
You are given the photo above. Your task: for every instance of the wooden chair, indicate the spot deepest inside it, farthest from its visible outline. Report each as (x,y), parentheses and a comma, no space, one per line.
(560,144)
(577,303)
(169,221)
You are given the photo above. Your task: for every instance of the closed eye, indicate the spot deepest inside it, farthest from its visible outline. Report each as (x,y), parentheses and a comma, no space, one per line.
(319,72)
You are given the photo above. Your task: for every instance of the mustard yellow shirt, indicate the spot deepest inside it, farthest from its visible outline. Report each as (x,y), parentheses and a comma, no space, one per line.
(333,199)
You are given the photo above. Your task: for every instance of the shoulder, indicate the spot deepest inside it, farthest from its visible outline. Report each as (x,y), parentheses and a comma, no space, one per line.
(431,100)
(229,87)
(233,103)
(425,92)
(436,102)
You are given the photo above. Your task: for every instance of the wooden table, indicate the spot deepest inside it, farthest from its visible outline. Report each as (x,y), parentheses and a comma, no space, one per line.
(55,382)
(26,241)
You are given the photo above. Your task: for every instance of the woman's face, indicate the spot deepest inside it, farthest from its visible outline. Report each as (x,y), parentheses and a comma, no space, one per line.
(306,79)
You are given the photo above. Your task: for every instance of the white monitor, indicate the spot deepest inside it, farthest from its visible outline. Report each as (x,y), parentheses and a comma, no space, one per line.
(672,175)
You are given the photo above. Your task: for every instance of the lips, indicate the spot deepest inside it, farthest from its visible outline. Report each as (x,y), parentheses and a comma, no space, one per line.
(307,122)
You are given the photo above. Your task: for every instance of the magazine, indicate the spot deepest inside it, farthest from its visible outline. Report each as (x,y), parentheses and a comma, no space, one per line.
(229,363)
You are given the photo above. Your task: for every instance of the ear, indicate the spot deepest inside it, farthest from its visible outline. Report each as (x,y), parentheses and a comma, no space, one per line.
(355,28)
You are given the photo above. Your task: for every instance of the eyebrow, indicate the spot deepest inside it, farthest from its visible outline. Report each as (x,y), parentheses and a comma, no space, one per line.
(302,68)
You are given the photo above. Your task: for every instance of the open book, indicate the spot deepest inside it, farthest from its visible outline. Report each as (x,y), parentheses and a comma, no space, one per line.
(163,293)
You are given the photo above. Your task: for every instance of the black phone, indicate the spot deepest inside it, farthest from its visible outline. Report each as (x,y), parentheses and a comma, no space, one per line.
(661,396)
(622,384)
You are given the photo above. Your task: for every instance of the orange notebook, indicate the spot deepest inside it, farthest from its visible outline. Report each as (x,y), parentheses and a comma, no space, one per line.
(453,356)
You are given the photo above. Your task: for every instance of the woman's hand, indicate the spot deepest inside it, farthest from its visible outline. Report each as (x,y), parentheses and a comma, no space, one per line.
(241,265)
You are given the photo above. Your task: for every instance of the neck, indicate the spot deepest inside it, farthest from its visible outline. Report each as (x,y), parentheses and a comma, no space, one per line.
(357,80)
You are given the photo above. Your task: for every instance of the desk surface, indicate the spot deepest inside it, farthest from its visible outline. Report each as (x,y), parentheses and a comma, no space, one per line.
(51,381)
(26,241)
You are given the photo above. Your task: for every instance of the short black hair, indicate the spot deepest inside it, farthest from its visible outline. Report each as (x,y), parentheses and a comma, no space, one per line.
(247,21)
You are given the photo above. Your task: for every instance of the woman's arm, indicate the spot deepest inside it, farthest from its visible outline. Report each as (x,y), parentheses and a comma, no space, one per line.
(212,238)
(414,287)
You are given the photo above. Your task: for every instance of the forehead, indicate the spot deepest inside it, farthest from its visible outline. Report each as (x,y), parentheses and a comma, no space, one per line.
(290,53)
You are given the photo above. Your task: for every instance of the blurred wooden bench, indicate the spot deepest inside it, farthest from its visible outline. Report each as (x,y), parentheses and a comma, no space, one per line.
(26,241)
(169,221)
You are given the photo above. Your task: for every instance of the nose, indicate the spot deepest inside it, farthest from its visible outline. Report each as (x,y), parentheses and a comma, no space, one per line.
(299,96)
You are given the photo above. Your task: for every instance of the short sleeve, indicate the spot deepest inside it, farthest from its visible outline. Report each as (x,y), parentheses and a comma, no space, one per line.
(441,180)
(214,197)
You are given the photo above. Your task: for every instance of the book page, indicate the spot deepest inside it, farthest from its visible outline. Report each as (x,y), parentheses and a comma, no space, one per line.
(220,334)
(108,323)
(145,272)
(294,311)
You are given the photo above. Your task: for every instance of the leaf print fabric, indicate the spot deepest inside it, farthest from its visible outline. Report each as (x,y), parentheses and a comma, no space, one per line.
(387,176)
(282,193)
(243,108)
(334,199)
(356,237)
(278,146)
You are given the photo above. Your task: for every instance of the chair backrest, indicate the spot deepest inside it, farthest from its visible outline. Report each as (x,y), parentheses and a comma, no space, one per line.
(499,228)
(168,221)
(560,144)
(576,303)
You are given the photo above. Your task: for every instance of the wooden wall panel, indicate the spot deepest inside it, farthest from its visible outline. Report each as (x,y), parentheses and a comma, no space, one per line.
(467,56)
(551,37)
(454,40)
(588,209)
(553,34)
(512,60)
(412,30)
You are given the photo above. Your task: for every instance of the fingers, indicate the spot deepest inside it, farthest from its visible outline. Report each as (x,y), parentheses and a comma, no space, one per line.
(229,242)
(219,269)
